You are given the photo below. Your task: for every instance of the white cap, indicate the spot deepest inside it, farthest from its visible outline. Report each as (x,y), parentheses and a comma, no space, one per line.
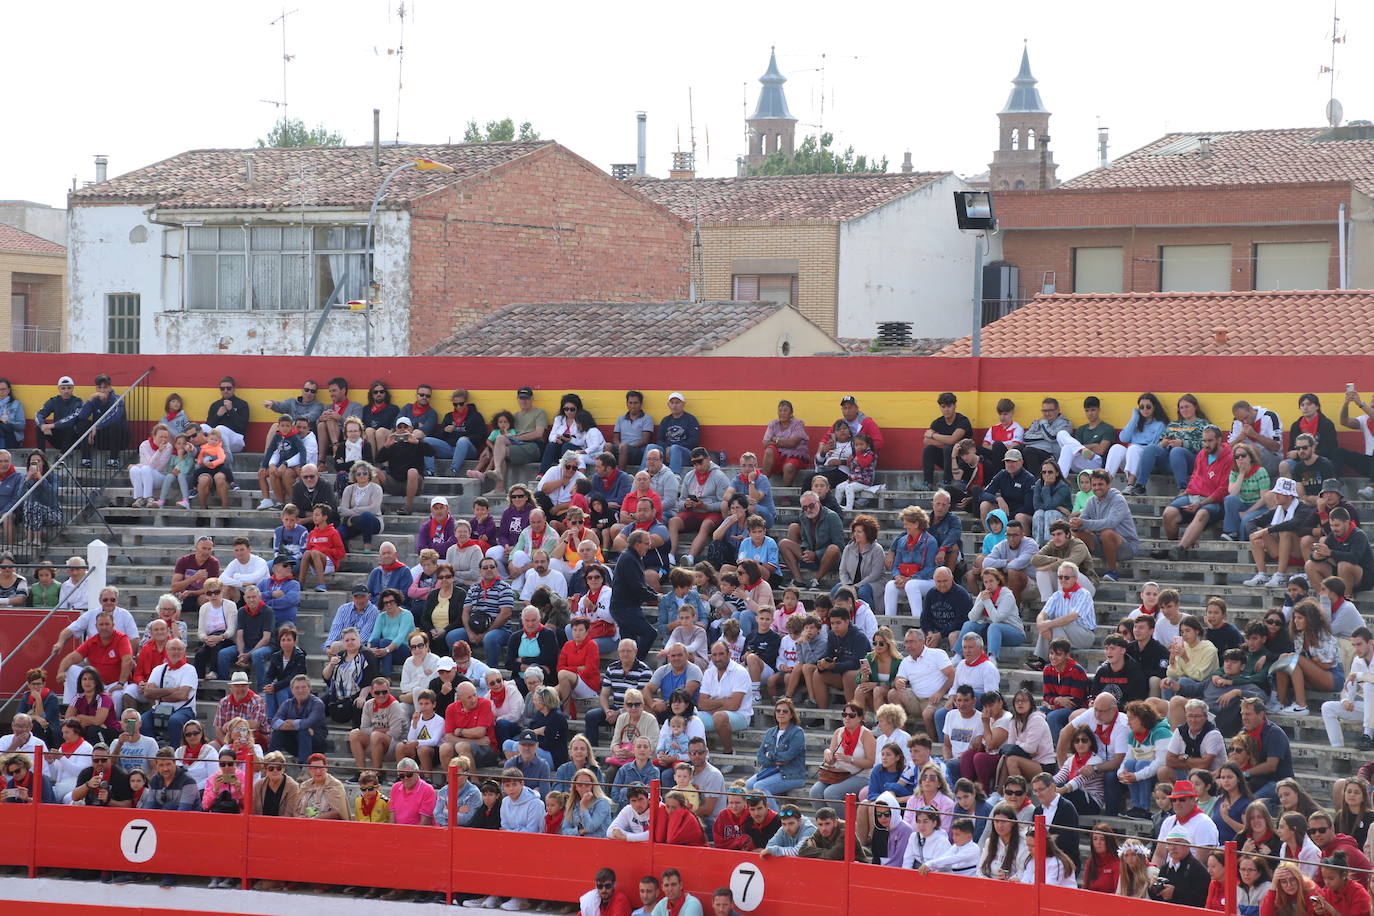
(402,421)
(66,380)
(438,501)
(677,395)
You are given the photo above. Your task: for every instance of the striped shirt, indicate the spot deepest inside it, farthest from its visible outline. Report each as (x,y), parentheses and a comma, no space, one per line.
(619,680)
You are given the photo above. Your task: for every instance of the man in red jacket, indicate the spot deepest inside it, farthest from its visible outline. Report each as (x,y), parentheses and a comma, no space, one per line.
(1202,500)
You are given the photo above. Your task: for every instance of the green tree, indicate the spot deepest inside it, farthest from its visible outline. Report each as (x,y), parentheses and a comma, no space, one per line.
(293,132)
(815,157)
(499,132)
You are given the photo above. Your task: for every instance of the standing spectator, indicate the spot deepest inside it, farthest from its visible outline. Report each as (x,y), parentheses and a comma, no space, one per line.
(629,593)
(1106,523)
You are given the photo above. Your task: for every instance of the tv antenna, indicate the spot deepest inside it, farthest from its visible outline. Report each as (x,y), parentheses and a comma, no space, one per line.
(1334,110)
(285,59)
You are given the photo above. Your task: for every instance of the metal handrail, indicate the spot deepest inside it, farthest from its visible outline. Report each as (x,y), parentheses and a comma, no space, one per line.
(75,445)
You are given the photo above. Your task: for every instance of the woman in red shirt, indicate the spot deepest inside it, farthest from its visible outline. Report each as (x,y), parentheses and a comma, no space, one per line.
(579,664)
(1102,871)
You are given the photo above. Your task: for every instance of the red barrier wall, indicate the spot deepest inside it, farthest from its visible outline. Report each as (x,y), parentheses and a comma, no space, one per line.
(15,624)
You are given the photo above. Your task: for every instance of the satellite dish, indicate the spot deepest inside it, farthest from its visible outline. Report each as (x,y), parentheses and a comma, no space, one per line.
(1334,113)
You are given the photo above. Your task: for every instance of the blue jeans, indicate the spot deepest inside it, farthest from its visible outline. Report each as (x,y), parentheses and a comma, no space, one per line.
(995,635)
(1111,793)
(1179,458)
(1236,521)
(457,453)
(364,525)
(260,655)
(395,657)
(1057,719)
(225,660)
(172,733)
(298,741)
(493,644)
(634,625)
(678,458)
(552,452)
(1187,687)
(865,592)
(1140,789)
(271,701)
(776,784)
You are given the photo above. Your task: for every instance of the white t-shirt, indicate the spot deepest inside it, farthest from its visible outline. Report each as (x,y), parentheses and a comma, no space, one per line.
(171,678)
(564,491)
(983,678)
(926,672)
(961,730)
(1363,421)
(634,825)
(864,620)
(555,582)
(83,627)
(1212,743)
(1201,830)
(1116,740)
(722,684)
(429,732)
(787,653)
(239,574)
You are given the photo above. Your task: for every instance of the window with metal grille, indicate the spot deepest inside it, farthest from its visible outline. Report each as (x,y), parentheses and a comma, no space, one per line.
(766,288)
(274,268)
(123,313)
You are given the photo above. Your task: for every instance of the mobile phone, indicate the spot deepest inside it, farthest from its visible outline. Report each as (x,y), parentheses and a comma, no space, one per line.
(1350,387)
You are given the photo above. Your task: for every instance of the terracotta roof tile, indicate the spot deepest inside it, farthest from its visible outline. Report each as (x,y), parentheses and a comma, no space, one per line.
(585,329)
(1179,324)
(311,176)
(1306,154)
(13,239)
(782,197)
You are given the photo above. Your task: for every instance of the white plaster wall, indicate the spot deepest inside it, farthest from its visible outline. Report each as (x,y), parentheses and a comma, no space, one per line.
(907,261)
(102,259)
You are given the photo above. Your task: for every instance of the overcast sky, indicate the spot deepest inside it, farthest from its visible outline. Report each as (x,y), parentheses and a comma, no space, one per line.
(143,81)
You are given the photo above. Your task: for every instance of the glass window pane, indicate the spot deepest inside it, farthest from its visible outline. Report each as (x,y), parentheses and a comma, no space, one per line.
(294,239)
(357,237)
(231,282)
(266,239)
(295,282)
(266,279)
(329,237)
(203,239)
(200,284)
(232,238)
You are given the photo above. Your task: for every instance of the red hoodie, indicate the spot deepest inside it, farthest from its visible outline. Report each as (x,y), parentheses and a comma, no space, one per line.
(729,830)
(1354,857)
(679,828)
(327,541)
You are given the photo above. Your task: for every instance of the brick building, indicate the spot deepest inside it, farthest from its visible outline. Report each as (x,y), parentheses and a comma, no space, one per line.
(240,250)
(33,288)
(1248,210)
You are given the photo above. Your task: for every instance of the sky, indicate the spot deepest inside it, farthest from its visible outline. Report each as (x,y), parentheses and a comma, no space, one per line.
(141,82)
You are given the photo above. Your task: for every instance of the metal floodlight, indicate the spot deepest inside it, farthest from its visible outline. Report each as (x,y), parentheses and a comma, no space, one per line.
(973,209)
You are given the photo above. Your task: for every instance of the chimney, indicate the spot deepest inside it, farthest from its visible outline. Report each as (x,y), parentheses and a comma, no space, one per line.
(906,161)
(641,118)
(248,172)
(684,166)
(1204,146)
(1219,336)
(1102,161)
(102,164)
(376,138)
(741,167)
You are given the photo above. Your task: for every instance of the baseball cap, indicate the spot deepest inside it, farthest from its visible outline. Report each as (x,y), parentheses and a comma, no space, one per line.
(359,589)
(848,399)
(528,737)
(525,392)
(676,395)
(402,421)
(66,380)
(238,677)
(1013,454)
(438,501)
(1286,486)
(446,664)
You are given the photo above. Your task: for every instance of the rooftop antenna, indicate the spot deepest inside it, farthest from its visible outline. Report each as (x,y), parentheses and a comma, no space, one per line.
(400,65)
(1334,111)
(285,59)
(691,126)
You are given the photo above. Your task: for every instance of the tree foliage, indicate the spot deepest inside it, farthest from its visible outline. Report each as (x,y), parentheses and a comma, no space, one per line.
(499,132)
(815,157)
(293,132)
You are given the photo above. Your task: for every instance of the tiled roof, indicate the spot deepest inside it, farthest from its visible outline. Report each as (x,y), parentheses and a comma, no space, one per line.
(292,177)
(1307,154)
(12,239)
(584,329)
(1180,324)
(782,197)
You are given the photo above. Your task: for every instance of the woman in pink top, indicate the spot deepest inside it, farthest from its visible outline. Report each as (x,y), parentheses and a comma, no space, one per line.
(785,443)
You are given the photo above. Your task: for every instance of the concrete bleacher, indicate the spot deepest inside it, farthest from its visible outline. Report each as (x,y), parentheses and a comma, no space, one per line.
(146,542)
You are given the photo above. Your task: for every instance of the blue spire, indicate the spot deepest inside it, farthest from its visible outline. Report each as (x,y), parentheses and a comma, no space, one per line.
(1024,96)
(772,103)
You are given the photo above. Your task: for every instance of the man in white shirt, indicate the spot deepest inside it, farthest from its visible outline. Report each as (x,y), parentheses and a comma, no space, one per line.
(22,737)
(245,569)
(1111,730)
(632,822)
(726,702)
(84,627)
(961,726)
(961,858)
(1188,818)
(1357,696)
(172,689)
(540,574)
(923,678)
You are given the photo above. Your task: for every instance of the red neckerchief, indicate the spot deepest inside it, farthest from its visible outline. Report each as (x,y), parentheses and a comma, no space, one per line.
(701,478)
(192,755)
(459,418)
(1336,602)
(486,586)
(1309,424)
(367,802)
(1141,612)
(6,475)
(1104,733)
(69,747)
(1256,735)
(1259,419)
(138,795)
(417,411)
(1140,736)
(289,433)
(1078,762)
(392,567)
(247,698)
(378,408)
(912,541)
(1349,532)
(997,593)
(644,527)
(849,740)
(466,544)
(242,752)
(276,581)
(592,596)
(172,667)
(977,661)
(552,822)
(42,695)
(151,444)
(1251,473)
(382,702)
(25,783)
(251,611)
(340,407)
(537,540)
(1068,592)
(168,419)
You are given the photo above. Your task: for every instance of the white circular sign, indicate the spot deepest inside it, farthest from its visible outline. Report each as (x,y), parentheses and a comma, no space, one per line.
(746,883)
(138,840)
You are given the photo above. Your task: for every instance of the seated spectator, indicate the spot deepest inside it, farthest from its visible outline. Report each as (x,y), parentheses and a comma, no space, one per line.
(469,728)
(1220,632)
(1315,662)
(1244,504)
(324,548)
(218,623)
(383,724)
(945,432)
(913,561)
(838,667)
(1307,466)
(393,627)
(726,703)
(285,662)
(240,703)
(244,571)
(279,594)
(438,533)
(401,455)
(1178,444)
(18,785)
(12,421)
(1067,614)
(846,762)
(154,455)
(782,754)
(1260,427)
(1120,670)
(1051,500)
(1345,553)
(785,445)
(1146,749)
(1105,523)
(299,725)
(1273,759)
(1192,661)
(961,858)
(1012,555)
(1110,733)
(678,674)
(1087,447)
(701,496)
(1062,546)
(924,677)
(1144,430)
(40,709)
(1204,496)
(44,590)
(171,688)
(1011,490)
(1356,703)
(994,615)
(1292,519)
(814,543)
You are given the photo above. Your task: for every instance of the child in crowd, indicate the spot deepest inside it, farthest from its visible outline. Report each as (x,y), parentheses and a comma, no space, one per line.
(707,583)
(734,638)
(997,531)
(483,523)
(682,784)
(787,653)
(179,470)
(731,606)
(212,458)
(1005,434)
(966,477)
(1085,490)
(289,538)
(555,804)
(600,518)
(672,745)
(862,468)
(790,605)
(324,548)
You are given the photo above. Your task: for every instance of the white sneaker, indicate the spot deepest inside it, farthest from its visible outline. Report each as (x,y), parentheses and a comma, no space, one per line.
(265,504)
(687,560)
(1367,492)
(515,903)
(1277,580)
(1295,710)
(491,902)
(1257,579)
(476,903)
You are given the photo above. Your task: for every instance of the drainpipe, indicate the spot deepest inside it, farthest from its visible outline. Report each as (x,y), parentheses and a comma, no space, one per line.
(1342,268)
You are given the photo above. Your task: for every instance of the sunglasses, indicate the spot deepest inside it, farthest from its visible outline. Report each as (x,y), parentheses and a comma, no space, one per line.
(310,390)
(275,768)
(570,409)
(849,715)
(108,600)
(1067,577)
(443,577)
(460,403)
(419,396)
(1013,793)
(605,885)
(633,705)
(213,591)
(226,387)
(193,734)
(519,496)
(369,788)
(225,764)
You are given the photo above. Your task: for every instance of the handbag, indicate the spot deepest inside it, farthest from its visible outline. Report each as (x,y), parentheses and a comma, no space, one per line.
(601,629)
(1013,750)
(829,775)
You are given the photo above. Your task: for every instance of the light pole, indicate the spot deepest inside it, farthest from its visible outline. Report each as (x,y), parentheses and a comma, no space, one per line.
(424,165)
(973,210)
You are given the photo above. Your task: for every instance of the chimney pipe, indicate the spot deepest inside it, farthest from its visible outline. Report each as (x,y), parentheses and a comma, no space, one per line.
(1102,160)
(1204,146)
(376,138)
(640,161)
(906,161)
(102,164)
(248,162)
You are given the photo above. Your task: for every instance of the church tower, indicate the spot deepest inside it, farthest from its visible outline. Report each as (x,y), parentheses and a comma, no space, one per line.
(772,127)
(1023,160)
